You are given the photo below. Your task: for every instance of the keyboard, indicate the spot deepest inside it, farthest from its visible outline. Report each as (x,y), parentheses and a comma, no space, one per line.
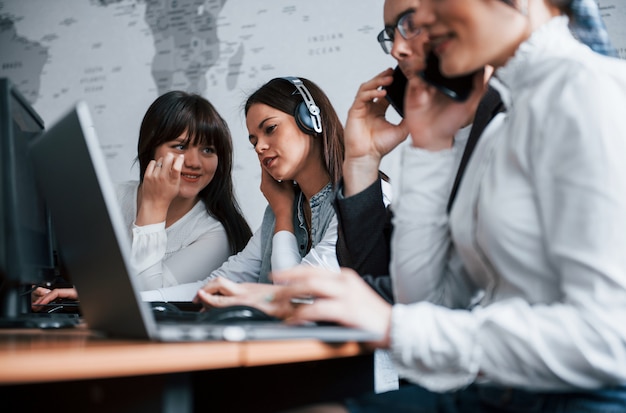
(189,312)
(41,320)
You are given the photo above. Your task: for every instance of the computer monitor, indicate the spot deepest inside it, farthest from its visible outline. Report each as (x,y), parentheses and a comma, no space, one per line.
(26,239)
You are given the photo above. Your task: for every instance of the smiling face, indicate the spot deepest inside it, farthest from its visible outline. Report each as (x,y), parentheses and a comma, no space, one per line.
(198,168)
(469,34)
(284,150)
(411,53)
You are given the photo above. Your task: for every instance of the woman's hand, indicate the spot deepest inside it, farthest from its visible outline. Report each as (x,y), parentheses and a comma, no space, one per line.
(280,196)
(161,183)
(41,296)
(343,298)
(221,292)
(433,118)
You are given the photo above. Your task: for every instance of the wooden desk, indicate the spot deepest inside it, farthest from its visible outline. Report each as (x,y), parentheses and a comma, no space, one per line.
(51,370)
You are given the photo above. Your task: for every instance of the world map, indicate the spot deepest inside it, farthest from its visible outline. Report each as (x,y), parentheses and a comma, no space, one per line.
(119,55)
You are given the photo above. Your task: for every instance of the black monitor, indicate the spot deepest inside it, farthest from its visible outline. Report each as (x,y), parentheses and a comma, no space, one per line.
(26,239)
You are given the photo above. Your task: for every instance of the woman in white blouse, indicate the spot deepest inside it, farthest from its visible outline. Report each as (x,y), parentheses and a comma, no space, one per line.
(182,215)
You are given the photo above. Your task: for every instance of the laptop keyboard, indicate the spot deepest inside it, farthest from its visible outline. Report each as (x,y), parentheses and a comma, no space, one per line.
(184,312)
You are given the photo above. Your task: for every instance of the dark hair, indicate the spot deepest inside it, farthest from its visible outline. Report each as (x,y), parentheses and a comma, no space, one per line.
(281,94)
(175,113)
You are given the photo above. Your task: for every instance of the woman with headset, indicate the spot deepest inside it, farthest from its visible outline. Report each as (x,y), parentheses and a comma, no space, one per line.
(298,138)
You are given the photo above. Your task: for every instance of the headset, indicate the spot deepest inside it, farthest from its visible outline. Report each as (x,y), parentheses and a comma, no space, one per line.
(307,113)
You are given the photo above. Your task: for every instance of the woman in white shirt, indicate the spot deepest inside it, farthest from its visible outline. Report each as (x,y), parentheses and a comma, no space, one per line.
(513,302)
(182,215)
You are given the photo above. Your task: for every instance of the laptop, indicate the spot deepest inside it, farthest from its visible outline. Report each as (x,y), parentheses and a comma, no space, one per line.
(95,246)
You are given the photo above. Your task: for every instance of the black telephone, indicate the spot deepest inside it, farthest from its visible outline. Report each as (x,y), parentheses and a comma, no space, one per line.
(457,88)
(395,91)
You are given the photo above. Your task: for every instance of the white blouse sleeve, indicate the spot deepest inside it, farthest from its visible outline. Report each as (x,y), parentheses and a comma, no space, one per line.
(148,246)
(421,242)
(324,254)
(191,263)
(285,252)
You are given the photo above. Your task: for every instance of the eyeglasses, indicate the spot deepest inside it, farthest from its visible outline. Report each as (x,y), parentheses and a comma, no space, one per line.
(406,27)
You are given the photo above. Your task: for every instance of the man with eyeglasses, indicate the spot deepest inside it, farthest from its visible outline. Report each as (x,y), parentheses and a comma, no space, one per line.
(364,238)
(364,222)
(404,25)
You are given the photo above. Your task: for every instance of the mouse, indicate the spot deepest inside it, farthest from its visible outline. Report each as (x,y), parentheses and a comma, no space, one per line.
(162,307)
(236,314)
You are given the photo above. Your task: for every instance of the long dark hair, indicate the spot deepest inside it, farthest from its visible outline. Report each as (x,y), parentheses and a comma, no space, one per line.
(281,94)
(176,112)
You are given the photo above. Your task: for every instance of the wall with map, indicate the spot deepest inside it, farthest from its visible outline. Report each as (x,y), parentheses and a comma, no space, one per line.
(119,55)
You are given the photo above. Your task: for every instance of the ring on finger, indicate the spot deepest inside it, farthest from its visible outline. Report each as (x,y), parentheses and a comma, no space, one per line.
(303,300)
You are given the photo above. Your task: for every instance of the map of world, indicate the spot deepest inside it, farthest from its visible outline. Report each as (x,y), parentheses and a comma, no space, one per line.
(119,55)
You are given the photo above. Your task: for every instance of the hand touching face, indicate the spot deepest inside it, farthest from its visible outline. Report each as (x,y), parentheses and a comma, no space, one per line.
(178,173)
(190,176)
(284,150)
